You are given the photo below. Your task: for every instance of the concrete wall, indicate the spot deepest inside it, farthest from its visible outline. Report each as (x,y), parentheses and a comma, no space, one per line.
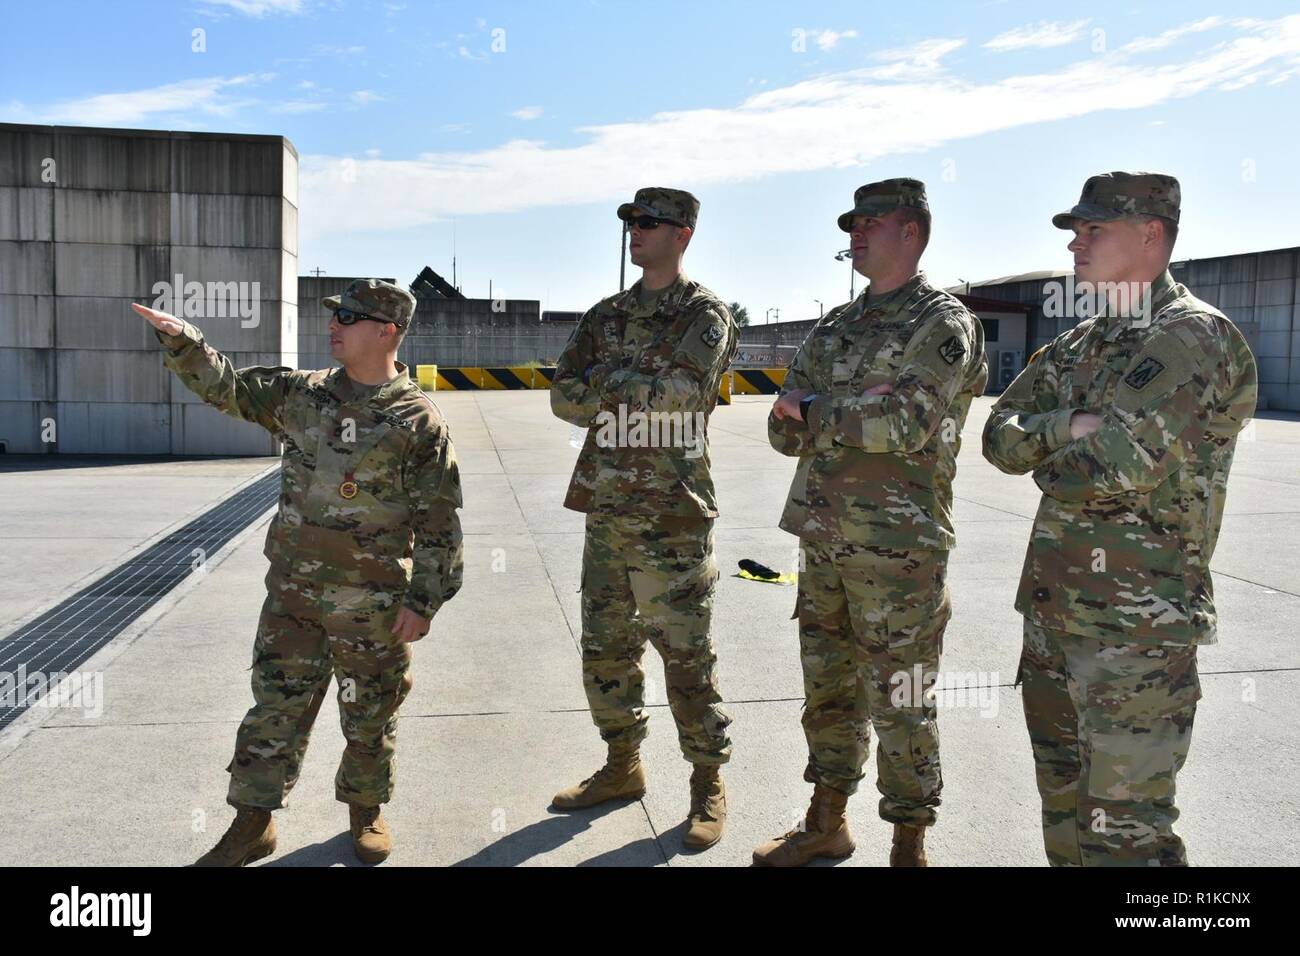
(1259,291)
(90,221)
(471,332)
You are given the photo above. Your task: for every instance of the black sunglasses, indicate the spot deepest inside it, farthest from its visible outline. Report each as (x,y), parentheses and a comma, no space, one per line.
(349,316)
(648,222)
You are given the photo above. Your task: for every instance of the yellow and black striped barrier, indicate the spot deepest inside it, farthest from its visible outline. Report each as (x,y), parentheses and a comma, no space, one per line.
(724,389)
(462,378)
(757,381)
(444,378)
(508,377)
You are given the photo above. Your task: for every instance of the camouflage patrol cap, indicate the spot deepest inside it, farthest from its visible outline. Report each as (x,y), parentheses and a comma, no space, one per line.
(876,199)
(675,205)
(375,297)
(1119,195)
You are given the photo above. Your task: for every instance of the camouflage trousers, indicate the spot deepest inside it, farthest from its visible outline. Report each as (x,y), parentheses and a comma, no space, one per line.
(652,577)
(309,633)
(1110,725)
(871,624)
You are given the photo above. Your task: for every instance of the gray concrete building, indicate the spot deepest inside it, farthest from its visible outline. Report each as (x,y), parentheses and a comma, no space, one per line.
(1257,290)
(94,219)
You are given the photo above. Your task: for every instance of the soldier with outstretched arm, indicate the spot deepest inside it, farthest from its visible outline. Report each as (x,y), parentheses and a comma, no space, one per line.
(364,550)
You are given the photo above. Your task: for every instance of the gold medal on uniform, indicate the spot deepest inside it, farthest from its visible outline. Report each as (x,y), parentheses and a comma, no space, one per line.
(348,488)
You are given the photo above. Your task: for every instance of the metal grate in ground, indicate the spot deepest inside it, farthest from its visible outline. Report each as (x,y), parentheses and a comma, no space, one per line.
(64,637)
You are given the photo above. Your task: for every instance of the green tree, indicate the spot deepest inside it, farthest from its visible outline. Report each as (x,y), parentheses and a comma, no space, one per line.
(739,313)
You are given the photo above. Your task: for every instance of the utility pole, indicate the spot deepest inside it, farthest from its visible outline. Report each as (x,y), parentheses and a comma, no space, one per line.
(622,257)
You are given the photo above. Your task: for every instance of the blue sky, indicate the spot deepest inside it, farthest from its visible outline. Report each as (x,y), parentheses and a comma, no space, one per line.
(520,126)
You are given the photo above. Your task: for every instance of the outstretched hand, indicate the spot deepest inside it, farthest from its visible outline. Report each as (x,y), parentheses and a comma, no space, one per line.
(164,322)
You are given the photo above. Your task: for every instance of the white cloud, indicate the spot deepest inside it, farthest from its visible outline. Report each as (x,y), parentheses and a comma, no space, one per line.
(527,113)
(1148,44)
(365,97)
(829,39)
(915,61)
(1041,35)
(840,120)
(259,8)
(208,95)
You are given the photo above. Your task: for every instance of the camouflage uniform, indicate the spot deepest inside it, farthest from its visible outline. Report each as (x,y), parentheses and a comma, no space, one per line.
(367,524)
(871,503)
(647,563)
(1116,589)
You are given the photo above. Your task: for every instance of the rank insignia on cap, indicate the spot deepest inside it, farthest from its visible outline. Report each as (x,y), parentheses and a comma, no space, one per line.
(952,350)
(1141,376)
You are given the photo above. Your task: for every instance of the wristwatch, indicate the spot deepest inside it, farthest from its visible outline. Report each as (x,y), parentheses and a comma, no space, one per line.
(804,404)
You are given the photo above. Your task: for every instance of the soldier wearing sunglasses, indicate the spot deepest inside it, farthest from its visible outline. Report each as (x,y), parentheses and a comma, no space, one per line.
(365,548)
(655,351)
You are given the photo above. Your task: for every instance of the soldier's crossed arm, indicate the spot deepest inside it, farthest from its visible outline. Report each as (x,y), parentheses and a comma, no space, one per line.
(788,435)
(1162,406)
(698,362)
(935,364)
(1027,422)
(433,482)
(255,394)
(572,398)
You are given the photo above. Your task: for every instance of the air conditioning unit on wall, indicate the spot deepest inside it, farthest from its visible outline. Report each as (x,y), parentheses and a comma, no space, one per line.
(1009,364)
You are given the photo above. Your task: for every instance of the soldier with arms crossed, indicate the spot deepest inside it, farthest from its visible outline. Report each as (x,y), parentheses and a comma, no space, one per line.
(1128,422)
(873,406)
(653,356)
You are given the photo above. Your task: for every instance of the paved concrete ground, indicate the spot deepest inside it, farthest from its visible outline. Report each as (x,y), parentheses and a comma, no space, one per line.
(497,720)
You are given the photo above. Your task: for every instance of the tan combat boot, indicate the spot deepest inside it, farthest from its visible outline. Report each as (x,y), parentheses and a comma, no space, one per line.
(708,807)
(909,846)
(825,833)
(250,837)
(371,839)
(622,778)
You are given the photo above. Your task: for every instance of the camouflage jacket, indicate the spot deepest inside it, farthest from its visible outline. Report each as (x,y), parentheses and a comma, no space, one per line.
(878,470)
(1130,514)
(657,369)
(399,533)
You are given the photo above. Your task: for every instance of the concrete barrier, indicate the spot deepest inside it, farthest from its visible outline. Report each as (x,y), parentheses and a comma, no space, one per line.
(757,381)
(741,381)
